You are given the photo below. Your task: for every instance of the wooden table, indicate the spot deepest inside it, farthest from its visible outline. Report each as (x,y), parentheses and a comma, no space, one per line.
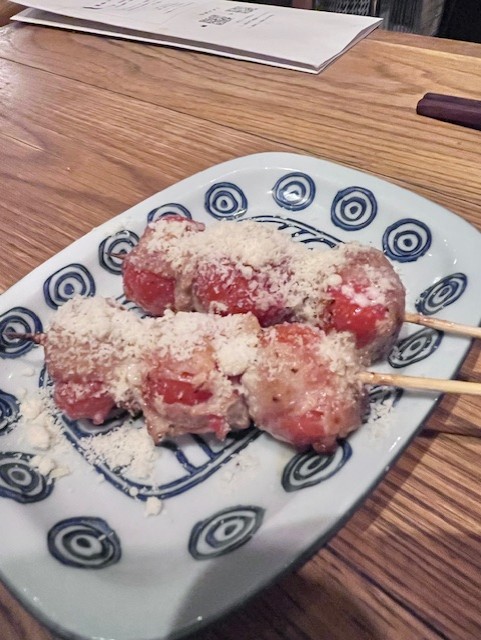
(91,126)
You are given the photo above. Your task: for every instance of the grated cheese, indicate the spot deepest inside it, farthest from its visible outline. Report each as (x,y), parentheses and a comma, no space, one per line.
(153,506)
(128,447)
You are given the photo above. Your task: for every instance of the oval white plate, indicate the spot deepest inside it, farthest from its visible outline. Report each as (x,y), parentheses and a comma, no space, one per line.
(238,514)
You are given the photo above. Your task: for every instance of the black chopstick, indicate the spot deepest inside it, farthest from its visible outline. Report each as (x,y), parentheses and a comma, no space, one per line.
(461,111)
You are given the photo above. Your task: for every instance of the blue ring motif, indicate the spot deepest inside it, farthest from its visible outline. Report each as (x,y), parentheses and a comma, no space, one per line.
(17,320)
(170,209)
(84,542)
(225,531)
(311,468)
(20,481)
(406,240)
(69,281)
(119,243)
(299,231)
(128,304)
(190,472)
(442,294)
(353,208)
(294,191)
(9,412)
(379,395)
(414,348)
(225,201)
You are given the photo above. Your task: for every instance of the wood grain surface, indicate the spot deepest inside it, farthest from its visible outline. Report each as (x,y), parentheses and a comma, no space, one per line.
(89,126)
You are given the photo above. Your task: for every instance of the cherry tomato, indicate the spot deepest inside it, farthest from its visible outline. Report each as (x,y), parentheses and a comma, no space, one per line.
(345,314)
(149,278)
(184,397)
(175,391)
(225,290)
(294,394)
(152,291)
(83,400)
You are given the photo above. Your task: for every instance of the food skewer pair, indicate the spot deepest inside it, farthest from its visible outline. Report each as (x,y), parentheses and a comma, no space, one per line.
(302,309)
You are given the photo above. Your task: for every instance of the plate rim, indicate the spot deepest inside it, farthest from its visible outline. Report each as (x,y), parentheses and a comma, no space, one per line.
(207,175)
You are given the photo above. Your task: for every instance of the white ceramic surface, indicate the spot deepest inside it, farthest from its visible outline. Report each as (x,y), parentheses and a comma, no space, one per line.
(218,542)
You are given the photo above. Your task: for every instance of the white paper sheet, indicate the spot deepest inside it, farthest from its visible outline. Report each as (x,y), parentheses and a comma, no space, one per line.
(279,36)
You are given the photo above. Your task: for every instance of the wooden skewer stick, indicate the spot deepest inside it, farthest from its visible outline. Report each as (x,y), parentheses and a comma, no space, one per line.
(34,337)
(420,383)
(443,325)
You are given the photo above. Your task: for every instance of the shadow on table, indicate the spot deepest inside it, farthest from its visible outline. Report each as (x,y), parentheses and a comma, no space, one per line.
(296,607)
(318,609)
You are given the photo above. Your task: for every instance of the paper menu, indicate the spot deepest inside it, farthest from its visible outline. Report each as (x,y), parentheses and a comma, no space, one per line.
(281,36)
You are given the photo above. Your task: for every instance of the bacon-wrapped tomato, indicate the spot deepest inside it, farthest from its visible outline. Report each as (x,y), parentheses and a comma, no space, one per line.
(156,272)
(367,299)
(197,373)
(252,267)
(181,370)
(303,387)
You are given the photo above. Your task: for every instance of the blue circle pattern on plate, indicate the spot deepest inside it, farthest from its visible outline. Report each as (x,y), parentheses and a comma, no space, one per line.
(17,320)
(406,240)
(442,294)
(170,209)
(132,306)
(353,208)
(380,394)
(84,542)
(20,480)
(311,468)
(225,201)
(414,348)
(119,243)
(381,398)
(299,231)
(69,281)
(225,531)
(9,412)
(192,460)
(294,191)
